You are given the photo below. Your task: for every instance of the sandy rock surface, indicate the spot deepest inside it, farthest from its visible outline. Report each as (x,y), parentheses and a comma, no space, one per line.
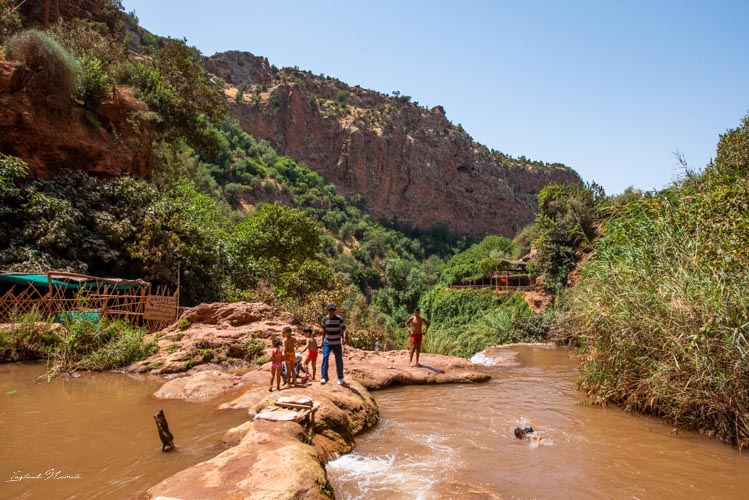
(235,336)
(373,370)
(229,335)
(251,468)
(377,370)
(200,386)
(271,461)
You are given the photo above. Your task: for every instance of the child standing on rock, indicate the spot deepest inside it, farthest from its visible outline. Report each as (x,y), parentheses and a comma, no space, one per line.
(311,349)
(276,359)
(289,347)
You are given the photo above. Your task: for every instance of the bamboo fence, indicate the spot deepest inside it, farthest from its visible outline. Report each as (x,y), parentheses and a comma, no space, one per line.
(97,296)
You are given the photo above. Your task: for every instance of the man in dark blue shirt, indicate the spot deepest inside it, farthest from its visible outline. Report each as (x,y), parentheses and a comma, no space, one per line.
(334,338)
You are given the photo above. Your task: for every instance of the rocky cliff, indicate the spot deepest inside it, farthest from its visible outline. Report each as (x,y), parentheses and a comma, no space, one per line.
(107,142)
(33,11)
(409,163)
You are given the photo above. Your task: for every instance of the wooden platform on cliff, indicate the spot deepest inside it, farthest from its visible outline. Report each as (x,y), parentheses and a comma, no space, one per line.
(510,277)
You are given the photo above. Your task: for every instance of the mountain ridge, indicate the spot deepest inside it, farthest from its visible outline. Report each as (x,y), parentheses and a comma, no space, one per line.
(409,163)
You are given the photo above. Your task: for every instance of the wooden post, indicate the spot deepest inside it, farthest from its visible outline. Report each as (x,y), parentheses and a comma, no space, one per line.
(179,267)
(46,13)
(48,306)
(167,440)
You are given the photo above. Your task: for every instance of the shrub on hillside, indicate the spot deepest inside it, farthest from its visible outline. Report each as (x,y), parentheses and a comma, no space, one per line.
(564,223)
(55,71)
(10,21)
(174,84)
(84,38)
(95,85)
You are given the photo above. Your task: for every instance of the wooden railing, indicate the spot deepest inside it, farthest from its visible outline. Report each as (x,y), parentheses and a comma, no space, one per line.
(502,288)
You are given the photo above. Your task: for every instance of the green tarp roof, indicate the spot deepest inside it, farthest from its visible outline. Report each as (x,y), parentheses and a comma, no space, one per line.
(70,281)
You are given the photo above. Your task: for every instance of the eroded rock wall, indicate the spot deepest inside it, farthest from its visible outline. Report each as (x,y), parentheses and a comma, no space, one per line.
(408,162)
(68,137)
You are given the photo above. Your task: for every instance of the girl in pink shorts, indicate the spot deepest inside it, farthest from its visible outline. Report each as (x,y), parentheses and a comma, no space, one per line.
(276,359)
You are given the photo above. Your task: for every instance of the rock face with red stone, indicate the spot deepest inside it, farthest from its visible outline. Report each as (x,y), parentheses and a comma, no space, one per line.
(106,143)
(92,10)
(408,163)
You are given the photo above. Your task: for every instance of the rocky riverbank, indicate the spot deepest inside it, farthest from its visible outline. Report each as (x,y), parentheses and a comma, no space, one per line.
(271,455)
(286,459)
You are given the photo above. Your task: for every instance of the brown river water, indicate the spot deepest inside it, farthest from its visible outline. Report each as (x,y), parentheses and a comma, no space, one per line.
(456,441)
(94,436)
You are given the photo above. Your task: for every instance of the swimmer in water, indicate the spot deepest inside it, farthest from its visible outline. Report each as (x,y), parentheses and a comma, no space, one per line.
(529,433)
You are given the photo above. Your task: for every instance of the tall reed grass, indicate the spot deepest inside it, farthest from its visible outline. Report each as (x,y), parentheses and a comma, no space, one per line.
(662,310)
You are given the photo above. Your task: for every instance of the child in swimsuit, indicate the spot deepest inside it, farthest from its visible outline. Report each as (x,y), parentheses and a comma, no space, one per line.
(276,359)
(417,327)
(311,349)
(289,347)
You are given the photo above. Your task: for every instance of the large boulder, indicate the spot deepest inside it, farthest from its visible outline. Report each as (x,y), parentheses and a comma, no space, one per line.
(271,461)
(233,335)
(279,459)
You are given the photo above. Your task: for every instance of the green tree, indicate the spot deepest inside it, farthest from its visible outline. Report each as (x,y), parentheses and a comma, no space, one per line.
(175,85)
(183,231)
(564,223)
(281,245)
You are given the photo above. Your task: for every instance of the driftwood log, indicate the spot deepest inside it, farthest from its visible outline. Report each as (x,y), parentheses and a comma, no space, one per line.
(167,440)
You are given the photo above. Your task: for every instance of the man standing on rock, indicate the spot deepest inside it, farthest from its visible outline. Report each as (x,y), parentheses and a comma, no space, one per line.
(414,326)
(334,338)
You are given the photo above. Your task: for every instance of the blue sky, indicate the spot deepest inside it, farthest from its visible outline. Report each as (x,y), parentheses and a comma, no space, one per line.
(611,88)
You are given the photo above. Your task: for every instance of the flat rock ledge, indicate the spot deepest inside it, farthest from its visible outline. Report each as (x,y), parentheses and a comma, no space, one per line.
(373,370)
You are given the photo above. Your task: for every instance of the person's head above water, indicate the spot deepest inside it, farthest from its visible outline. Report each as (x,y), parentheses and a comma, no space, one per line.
(520,433)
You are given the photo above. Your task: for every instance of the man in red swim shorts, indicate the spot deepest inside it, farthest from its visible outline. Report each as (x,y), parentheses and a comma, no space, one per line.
(417,327)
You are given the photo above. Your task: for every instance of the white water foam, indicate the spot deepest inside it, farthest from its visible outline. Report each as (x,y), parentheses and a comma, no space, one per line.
(381,475)
(480,358)
(435,442)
